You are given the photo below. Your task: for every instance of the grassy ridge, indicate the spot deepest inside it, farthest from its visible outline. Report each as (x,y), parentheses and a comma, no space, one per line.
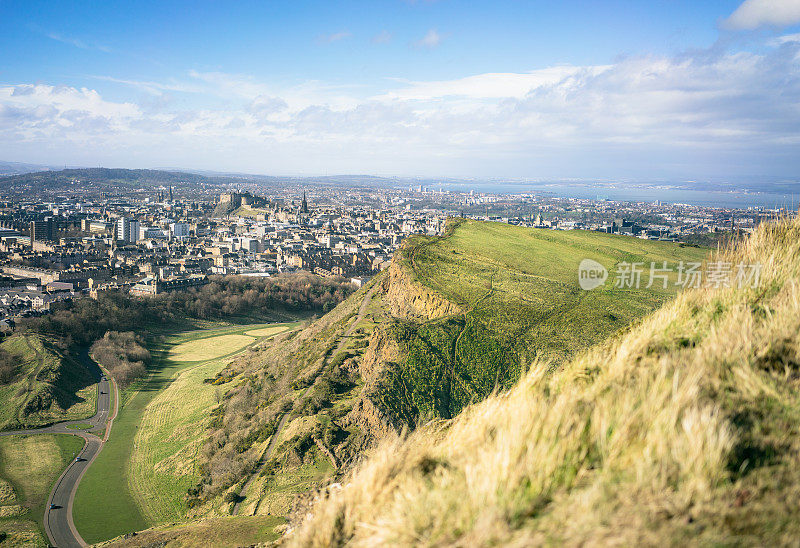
(519,289)
(683,431)
(518,302)
(140,477)
(440,365)
(48,387)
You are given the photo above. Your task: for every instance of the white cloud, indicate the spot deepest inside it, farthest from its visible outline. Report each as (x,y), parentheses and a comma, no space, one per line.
(431,39)
(752,14)
(785,39)
(488,86)
(733,111)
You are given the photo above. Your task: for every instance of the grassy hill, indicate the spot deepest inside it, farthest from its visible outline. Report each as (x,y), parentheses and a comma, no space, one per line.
(682,430)
(518,299)
(47,386)
(454,319)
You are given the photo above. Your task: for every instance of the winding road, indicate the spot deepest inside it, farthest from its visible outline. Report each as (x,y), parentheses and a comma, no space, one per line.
(58,523)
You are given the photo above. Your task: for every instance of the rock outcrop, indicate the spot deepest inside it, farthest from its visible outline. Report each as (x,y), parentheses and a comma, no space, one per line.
(407,298)
(404,297)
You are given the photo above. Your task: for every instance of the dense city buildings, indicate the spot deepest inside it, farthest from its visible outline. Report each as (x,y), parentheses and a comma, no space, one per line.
(170,238)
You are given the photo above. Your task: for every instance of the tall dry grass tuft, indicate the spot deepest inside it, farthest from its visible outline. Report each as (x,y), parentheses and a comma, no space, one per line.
(686,429)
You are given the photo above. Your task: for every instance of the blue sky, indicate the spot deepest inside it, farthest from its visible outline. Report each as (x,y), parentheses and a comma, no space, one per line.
(609,90)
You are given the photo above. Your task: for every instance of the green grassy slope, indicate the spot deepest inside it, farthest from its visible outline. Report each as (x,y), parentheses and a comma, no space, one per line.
(685,430)
(49,387)
(29,466)
(519,292)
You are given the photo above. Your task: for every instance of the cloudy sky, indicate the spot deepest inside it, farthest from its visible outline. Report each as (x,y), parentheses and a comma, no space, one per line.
(647,90)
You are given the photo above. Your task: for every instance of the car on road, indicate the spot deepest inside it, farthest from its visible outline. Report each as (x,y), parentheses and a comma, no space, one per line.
(79,459)
(53,507)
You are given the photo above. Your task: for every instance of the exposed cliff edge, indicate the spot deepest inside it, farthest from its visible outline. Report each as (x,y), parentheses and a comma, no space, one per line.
(407,298)
(404,298)
(368,416)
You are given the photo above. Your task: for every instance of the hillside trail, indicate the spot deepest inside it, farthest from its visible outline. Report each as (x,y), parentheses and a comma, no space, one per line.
(274,439)
(453,374)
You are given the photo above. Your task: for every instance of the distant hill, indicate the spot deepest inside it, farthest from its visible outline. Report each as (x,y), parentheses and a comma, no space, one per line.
(32,183)
(103,179)
(17,168)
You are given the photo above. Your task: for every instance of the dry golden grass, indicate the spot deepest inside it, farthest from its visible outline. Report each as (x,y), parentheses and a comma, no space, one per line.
(22,534)
(12,510)
(213,533)
(209,348)
(684,430)
(7,495)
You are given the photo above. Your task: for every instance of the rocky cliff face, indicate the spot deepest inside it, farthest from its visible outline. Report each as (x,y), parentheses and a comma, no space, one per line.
(403,298)
(407,298)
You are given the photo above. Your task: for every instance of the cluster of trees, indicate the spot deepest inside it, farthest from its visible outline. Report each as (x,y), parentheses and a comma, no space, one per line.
(85,321)
(123,354)
(9,364)
(240,295)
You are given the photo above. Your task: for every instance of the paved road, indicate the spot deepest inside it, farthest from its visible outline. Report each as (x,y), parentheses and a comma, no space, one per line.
(58,522)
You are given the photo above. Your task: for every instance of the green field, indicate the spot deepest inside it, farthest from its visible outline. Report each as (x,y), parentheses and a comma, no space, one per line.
(519,292)
(141,476)
(164,464)
(208,348)
(29,466)
(266,331)
(48,386)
